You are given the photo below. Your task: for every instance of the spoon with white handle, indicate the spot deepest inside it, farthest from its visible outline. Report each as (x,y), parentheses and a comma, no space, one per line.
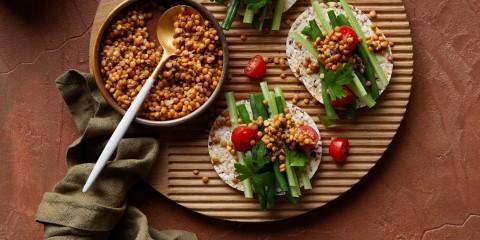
(165,35)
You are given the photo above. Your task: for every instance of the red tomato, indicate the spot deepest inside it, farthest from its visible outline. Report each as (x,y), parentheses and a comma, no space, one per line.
(338,149)
(256,67)
(305,129)
(348,32)
(344,101)
(241,137)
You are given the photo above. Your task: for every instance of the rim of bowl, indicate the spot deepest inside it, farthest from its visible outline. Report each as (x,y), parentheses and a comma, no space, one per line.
(167,123)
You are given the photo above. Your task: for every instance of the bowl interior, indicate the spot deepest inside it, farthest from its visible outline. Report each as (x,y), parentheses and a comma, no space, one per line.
(95,61)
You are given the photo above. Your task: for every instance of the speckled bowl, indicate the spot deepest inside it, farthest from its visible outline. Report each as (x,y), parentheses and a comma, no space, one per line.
(95,63)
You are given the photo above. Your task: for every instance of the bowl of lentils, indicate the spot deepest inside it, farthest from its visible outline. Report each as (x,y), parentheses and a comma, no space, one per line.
(127,51)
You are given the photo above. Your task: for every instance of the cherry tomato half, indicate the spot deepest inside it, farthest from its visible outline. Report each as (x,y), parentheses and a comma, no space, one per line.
(256,67)
(350,36)
(305,129)
(344,101)
(241,137)
(338,149)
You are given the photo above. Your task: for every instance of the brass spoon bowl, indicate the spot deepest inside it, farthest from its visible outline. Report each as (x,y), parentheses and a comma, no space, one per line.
(95,61)
(166,31)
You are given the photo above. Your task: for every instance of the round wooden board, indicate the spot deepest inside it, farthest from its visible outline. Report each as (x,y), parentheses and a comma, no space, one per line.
(185,148)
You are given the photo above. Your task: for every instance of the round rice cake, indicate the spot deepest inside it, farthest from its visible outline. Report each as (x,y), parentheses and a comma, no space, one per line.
(295,55)
(225,166)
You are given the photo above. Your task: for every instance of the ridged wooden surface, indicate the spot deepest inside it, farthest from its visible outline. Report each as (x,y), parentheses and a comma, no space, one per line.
(185,148)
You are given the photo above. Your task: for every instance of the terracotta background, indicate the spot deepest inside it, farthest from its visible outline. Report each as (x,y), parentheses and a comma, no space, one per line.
(427,186)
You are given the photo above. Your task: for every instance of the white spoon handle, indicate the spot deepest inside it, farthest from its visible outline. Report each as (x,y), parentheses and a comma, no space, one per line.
(122,127)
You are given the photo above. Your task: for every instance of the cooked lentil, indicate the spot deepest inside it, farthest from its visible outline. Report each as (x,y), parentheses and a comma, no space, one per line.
(215,159)
(235,180)
(282,128)
(378,43)
(205,179)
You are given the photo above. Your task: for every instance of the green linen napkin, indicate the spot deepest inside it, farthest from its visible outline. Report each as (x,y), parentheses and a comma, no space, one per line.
(103,212)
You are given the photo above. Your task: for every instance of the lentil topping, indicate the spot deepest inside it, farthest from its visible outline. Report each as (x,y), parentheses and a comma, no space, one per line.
(334,51)
(304,65)
(281,128)
(377,42)
(128,57)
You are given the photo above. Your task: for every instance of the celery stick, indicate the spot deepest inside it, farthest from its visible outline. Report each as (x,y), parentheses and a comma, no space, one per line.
(277,15)
(292,181)
(232,109)
(370,71)
(371,56)
(352,19)
(272,105)
(361,92)
(320,13)
(291,198)
(291,175)
(358,84)
(251,98)
(304,177)
(367,99)
(280,106)
(242,111)
(261,18)
(282,183)
(272,96)
(306,44)
(232,9)
(248,15)
(374,89)
(258,104)
(363,53)
(296,192)
(279,92)
(361,77)
(330,111)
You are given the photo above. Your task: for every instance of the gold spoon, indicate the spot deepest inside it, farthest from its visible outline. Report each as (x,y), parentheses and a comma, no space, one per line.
(165,34)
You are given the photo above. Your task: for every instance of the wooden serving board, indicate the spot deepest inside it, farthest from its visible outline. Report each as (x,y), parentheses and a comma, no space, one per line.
(185,148)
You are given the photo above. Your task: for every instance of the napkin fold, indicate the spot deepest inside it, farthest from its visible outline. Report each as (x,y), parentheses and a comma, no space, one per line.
(103,212)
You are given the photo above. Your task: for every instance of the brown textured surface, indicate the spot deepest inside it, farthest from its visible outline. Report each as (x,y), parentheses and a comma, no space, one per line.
(425,186)
(369,135)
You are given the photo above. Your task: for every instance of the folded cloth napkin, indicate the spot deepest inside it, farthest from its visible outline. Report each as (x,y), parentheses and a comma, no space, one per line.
(103,212)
